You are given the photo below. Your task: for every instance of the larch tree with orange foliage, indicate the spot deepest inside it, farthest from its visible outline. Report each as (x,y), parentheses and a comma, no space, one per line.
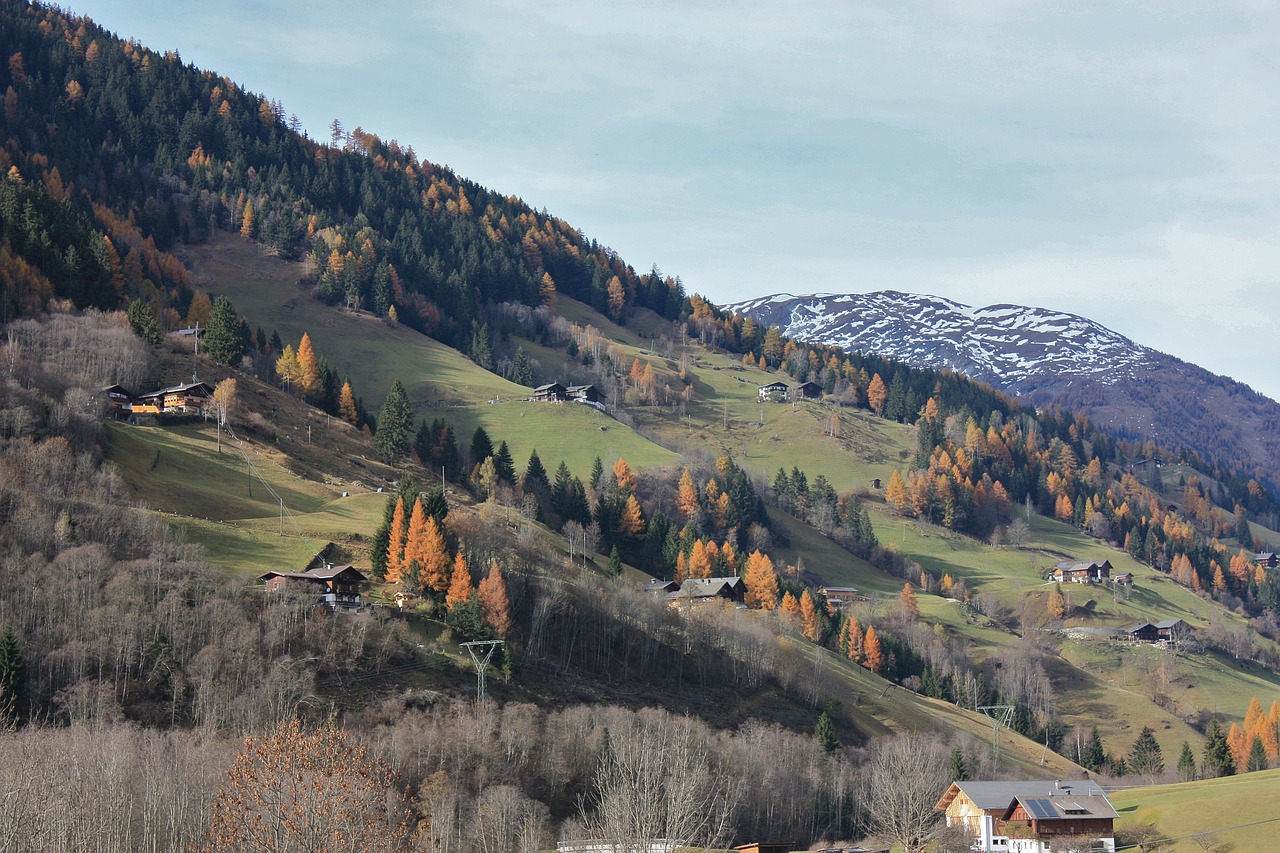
(699,562)
(877,393)
(494,601)
(907,604)
(460,588)
(761,580)
(395,544)
(895,492)
(789,605)
(872,656)
(623,479)
(853,649)
(631,525)
(810,619)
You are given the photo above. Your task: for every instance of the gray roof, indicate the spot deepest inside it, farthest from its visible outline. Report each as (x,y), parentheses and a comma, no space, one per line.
(321,573)
(706,587)
(1063,806)
(1170,623)
(998,795)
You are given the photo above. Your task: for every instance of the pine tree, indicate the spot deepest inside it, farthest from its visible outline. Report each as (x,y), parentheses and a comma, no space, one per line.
(597,472)
(504,464)
(494,602)
(522,372)
(615,562)
(1257,756)
(958,768)
(1095,754)
(825,733)
(394,423)
(1186,764)
(460,588)
(481,446)
(1145,757)
(143,322)
(13,680)
(223,342)
(1217,754)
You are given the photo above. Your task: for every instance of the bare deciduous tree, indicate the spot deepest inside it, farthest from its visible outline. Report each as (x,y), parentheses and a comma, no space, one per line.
(905,775)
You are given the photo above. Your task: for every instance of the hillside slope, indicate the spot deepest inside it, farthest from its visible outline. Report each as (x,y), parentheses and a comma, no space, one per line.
(1047,357)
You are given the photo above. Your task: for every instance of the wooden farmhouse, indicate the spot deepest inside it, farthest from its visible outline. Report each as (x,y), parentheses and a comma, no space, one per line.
(698,590)
(119,402)
(806,391)
(336,586)
(1025,817)
(765,847)
(1082,572)
(189,398)
(1266,559)
(840,597)
(552,392)
(1169,632)
(775,392)
(584,394)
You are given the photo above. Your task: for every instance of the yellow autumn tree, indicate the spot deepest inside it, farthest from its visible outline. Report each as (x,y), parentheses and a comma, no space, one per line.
(547,290)
(854,640)
(895,493)
(877,393)
(789,605)
(347,404)
(308,367)
(433,558)
(1056,605)
(414,555)
(631,525)
(287,368)
(907,603)
(699,561)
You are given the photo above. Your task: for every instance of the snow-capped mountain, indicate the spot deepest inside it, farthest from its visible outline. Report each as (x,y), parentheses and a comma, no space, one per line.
(1045,357)
(1017,349)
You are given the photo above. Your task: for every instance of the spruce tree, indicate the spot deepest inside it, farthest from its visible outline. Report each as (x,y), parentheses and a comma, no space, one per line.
(223,341)
(1186,764)
(13,680)
(481,446)
(615,562)
(959,768)
(1257,757)
(1095,755)
(522,373)
(825,733)
(597,472)
(143,322)
(1217,754)
(1145,757)
(394,422)
(504,464)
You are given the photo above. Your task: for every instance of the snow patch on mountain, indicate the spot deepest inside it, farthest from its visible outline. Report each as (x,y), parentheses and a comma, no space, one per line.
(1016,348)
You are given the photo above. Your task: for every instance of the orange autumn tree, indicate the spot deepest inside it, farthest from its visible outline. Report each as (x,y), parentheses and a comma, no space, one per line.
(761,580)
(907,603)
(853,649)
(699,565)
(494,602)
(395,544)
(308,368)
(631,525)
(872,656)
(347,404)
(789,605)
(810,620)
(687,496)
(460,589)
(877,393)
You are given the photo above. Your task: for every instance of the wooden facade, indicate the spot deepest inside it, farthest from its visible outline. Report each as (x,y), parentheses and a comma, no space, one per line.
(774,391)
(765,847)
(552,392)
(189,398)
(984,809)
(1266,559)
(806,391)
(1082,572)
(337,586)
(119,402)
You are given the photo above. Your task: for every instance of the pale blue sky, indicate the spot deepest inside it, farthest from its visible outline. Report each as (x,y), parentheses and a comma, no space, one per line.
(1114,160)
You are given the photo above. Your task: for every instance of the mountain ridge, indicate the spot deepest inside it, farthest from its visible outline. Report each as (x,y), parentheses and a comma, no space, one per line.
(1046,357)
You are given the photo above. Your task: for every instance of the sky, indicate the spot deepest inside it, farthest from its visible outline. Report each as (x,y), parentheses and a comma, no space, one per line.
(1115,160)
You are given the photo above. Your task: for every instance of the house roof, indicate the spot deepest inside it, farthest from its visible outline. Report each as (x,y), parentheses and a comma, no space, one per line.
(178,389)
(990,796)
(771,385)
(707,587)
(549,387)
(1063,807)
(1264,557)
(1133,629)
(1083,565)
(1170,623)
(321,573)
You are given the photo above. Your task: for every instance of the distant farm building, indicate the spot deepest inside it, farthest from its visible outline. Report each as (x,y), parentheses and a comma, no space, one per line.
(775,392)
(585,394)
(189,398)
(551,392)
(698,590)
(842,596)
(1170,632)
(1082,572)
(1025,817)
(765,847)
(119,402)
(806,391)
(1266,559)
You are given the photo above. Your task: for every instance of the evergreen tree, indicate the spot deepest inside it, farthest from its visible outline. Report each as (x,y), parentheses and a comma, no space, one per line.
(522,373)
(504,464)
(1217,754)
(13,680)
(394,422)
(143,322)
(958,767)
(1145,757)
(597,472)
(615,562)
(1095,755)
(435,505)
(1186,764)
(825,733)
(481,446)
(1257,757)
(223,341)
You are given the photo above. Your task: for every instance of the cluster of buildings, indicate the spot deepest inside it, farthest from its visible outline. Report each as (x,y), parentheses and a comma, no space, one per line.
(780,392)
(187,398)
(1029,817)
(554,392)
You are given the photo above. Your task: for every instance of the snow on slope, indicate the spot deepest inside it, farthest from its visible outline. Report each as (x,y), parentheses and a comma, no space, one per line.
(1014,348)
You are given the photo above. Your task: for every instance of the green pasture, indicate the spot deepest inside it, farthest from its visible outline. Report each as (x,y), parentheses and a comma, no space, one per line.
(1240,811)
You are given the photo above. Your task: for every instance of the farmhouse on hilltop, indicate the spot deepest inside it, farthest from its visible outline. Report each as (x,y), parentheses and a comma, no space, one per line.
(1026,817)
(775,392)
(188,398)
(806,391)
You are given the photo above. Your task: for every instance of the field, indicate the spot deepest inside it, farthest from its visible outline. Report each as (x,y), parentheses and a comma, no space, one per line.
(1238,812)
